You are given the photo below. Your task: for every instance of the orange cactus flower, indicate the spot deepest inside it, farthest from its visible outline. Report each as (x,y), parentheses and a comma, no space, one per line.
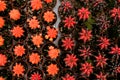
(52,69)
(2,5)
(33,23)
(36,4)
(37,39)
(51,33)
(34,58)
(49,16)
(1,78)
(2,22)
(18,70)
(1,41)
(14,14)
(17,31)
(3,59)
(53,52)
(48,1)
(19,50)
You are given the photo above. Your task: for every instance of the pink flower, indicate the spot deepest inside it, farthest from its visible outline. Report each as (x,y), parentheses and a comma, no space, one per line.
(118,0)
(104,43)
(68,77)
(103,22)
(115,13)
(86,68)
(35,76)
(85,35)
(71,60)
(83,13)
(66,5)
(97,2)
(101,76)
(68,43)
(115,50)
(117,69)
(69,22)
(101,60)
(86,52)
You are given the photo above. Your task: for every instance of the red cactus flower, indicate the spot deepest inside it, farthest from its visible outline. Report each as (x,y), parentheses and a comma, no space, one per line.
(1,78)
(35,76)
(3,59)
(69,22)
(51,33)
(115,13)
(19,50)
(86,68)
(2,22)
(104,42)
(86,52)
(101,60)
(115,50)
(68,43)
(68,77)
(36,4)
(1,41)
(18,69)
(52,69)
(2,5)
(85,35)
(101,76)
(17,31)
(33,23)
(14,14)
(66,5)
(83,13)
(71,60)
